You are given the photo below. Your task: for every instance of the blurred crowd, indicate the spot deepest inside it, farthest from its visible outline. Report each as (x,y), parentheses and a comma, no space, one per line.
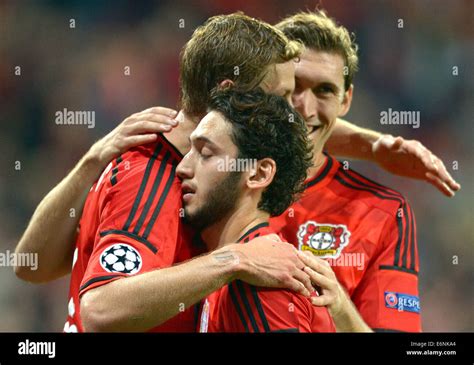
(73,54)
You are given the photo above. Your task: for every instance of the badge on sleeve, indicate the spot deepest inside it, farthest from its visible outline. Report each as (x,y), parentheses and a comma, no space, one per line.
(121,258)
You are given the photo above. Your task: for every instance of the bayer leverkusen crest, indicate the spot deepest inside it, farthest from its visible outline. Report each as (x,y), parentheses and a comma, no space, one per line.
(323,239)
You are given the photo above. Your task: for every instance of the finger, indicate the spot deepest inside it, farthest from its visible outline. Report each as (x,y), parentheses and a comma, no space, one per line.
(321,301)
(444,175)
(157,118)
(397,143)
(299,287)
(315,263)
(304,279)
(139,140)
(439,184)
(147,126)
(427,159)
(319,279)
(161,110)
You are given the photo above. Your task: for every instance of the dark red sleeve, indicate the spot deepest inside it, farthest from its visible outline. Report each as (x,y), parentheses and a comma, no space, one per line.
(139,218)
(387,297)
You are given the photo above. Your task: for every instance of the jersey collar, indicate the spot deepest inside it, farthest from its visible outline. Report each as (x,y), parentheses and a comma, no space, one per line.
(325,173)
(252,230)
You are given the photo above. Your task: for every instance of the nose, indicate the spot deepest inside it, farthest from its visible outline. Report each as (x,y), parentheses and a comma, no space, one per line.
(305,103)
(184,168)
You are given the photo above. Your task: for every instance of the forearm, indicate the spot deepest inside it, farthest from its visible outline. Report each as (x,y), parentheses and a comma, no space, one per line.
(348,318)
(52,228)
(349,140)
(142,302)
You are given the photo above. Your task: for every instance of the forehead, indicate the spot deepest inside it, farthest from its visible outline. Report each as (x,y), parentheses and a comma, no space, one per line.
(280,78)
(320,66)
(213,126)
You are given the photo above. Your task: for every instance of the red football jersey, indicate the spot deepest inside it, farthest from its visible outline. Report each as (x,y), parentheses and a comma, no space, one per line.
(130,225)
(240,307)
(368,234)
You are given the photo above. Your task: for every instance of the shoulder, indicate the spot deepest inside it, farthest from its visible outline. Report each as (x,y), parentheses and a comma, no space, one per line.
(361,190)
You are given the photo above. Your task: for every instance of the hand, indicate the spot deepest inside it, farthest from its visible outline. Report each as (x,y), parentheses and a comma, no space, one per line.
(268,262)
(331,293)
(139,128)
(410,158)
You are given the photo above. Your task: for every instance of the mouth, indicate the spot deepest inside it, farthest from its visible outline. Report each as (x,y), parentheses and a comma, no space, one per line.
(313,129)
(187,191)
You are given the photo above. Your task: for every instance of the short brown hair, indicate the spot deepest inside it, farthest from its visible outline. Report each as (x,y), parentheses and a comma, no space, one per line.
(235,47)
(320,32)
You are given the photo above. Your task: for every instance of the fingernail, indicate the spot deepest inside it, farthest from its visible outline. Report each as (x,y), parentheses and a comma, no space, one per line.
(173,113)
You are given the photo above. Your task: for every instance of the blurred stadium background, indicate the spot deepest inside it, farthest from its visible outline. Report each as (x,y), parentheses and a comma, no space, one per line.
(82,69)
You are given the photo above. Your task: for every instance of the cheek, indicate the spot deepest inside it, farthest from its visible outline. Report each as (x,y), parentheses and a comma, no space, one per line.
(206,176)
(328,112)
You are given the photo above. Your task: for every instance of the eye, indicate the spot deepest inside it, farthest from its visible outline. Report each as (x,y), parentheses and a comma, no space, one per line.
(325,90)
(205,153)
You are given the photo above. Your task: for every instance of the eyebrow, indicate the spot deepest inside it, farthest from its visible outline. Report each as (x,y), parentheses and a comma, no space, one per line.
(203,139)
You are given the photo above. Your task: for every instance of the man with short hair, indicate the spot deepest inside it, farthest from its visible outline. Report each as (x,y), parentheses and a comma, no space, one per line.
(366,230)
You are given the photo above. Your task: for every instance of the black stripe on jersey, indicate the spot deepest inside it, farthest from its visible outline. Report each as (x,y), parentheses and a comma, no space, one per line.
(322,175)
(146,175)
(413,241)
(113,178)
(388,195)
(130,235)
(386,330)
(246,302)
(260,310)
(410,239)
(154,189)
(97,279)
(382,187)
(292,330)
(163,196)
(398,268)
(253,229)
(233,296)
(248,237)
(409,242)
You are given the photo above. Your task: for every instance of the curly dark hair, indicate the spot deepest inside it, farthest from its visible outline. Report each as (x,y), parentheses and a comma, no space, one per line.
(264,126)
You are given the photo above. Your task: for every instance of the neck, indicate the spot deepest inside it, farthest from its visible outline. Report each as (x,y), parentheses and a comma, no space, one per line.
(229,229)
(319,159)
(179,135)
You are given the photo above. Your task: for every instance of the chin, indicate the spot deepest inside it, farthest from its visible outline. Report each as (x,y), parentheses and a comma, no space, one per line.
(319,138)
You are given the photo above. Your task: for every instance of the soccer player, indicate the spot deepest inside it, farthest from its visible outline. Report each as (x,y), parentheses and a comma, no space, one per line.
(51,228)
(131,233)
(249,156)
(366,230)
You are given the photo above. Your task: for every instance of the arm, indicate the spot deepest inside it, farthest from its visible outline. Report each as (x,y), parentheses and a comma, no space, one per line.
(144,301)
(52,229)
(408,158)
(333,296)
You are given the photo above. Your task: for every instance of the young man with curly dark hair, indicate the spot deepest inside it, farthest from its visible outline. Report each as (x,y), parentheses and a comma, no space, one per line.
(234,206)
